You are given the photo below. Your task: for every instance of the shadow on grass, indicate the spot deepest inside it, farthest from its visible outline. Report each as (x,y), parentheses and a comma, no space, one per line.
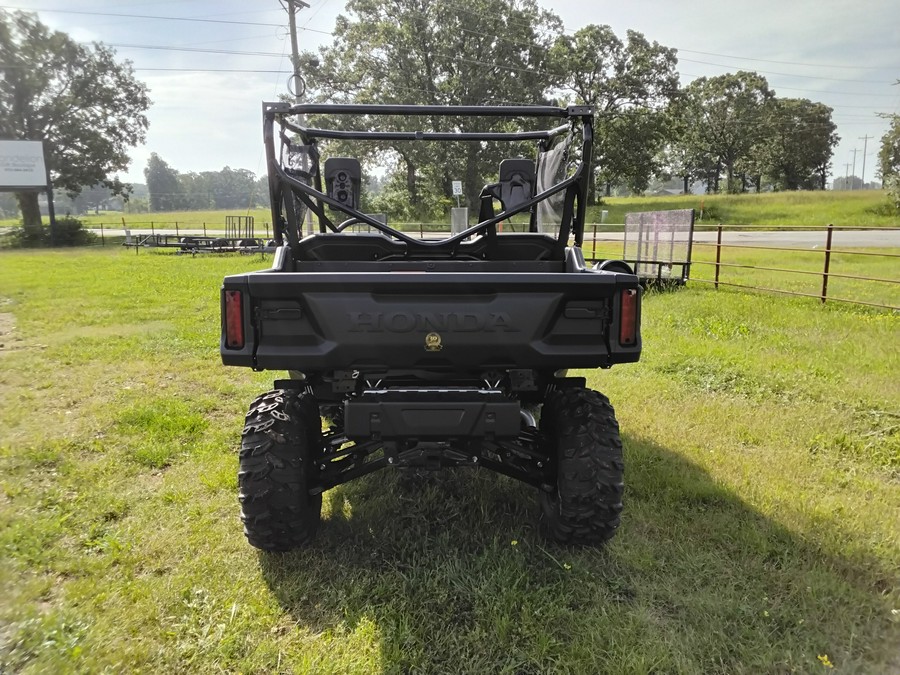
(454,577)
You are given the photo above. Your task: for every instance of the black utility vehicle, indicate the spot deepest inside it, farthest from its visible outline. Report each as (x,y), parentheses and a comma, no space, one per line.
(430,353)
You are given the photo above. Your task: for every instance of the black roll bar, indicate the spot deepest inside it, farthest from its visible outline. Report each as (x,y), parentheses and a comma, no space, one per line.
(576,186)
(426,110)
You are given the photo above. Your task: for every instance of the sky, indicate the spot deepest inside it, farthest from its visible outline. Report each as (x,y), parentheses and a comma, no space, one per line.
(844,54)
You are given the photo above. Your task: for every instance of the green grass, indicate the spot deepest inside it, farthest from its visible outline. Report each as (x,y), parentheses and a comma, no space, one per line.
(761,531)
(860,208)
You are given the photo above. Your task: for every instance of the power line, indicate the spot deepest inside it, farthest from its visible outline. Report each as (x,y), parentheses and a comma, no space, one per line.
(783,63)
(161,18)
(526,25)
(841,93)
(167,48)
(769,72)
(318,9)
(469,11)
(812,91)
(281,55)
(323,32)
(488,64)
(213,70)
(278,55)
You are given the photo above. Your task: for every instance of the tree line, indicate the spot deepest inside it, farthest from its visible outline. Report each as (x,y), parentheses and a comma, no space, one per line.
(229,188)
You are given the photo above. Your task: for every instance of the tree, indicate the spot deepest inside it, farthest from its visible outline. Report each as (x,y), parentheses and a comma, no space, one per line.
(889,154)
(724,118)
(630,84)
(889,161)
(226,189)
(629,146)
(196,190)
(415,51)
(682,155)
(852,183)
(261,192)
(87,108)
(232,188)
(92,197)
(797,152)
(7,205)
(162,182)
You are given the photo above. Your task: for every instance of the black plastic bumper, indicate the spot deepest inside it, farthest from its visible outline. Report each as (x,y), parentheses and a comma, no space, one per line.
(431,414)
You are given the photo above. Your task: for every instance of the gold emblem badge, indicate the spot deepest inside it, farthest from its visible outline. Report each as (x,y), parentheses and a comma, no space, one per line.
(433,343)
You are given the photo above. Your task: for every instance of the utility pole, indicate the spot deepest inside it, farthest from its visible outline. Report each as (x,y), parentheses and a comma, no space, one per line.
(865,140)
(846,174)
(292,7)
(854,167)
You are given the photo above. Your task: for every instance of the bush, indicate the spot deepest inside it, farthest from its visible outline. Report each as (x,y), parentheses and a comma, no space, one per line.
(710,213)
(892,187)
(69,232)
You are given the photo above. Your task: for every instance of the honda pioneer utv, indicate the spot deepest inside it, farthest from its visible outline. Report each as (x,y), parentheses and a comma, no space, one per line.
(424,352)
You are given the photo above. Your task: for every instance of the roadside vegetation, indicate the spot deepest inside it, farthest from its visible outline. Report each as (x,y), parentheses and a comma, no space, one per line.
(848,208)
(862,208)
(761,531)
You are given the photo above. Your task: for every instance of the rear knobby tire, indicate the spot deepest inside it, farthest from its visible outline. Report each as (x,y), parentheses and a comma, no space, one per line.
(279,445)
(586,505)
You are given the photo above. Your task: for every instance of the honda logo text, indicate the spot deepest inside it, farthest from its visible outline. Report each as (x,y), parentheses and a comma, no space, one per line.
(408,322)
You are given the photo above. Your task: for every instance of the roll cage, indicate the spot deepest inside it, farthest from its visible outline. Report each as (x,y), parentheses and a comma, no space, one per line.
(293,186)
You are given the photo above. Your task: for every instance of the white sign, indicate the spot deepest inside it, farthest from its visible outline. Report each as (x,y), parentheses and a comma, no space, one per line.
(457,188)
(22,164)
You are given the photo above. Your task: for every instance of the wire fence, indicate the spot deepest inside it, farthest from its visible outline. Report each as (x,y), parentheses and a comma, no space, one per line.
(263,230)
(866,275)
(178,228)
(767,267)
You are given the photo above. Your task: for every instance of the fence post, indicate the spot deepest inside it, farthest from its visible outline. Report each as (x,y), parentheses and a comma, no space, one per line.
(267,231)
(176,229)
(595,242)
(152,229)
(421,230)
(204,228)
(718,253)
(102,239)
(827,263)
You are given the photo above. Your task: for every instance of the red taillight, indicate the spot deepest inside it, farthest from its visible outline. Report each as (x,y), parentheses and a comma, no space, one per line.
(628,317)
(234,320)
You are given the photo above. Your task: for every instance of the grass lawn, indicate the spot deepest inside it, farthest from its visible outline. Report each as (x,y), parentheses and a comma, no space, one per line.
(761,531)
(859,208)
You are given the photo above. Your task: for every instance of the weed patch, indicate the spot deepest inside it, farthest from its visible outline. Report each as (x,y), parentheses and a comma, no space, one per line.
(873,437)
(167,429)
(713,377)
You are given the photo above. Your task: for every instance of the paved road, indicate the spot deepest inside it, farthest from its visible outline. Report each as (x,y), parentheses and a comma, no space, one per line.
(876,238)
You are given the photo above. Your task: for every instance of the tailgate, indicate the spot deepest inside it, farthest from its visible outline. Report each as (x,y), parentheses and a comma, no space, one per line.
(318,321)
